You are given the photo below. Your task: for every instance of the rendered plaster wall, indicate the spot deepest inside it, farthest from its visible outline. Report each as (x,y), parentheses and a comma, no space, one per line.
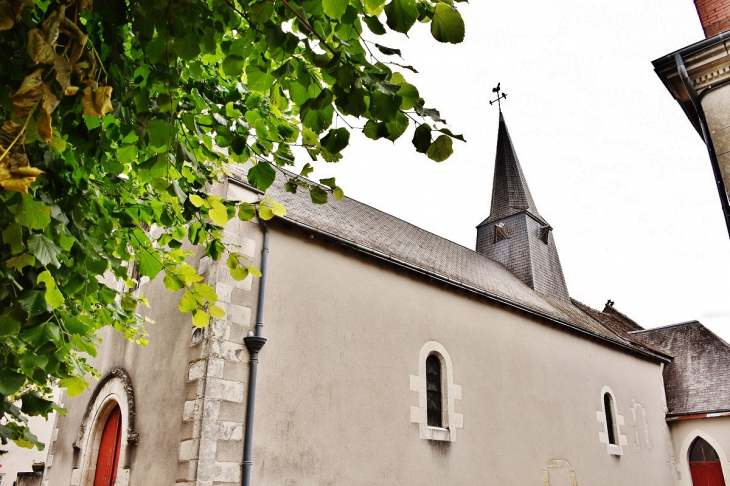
(716,431)
(717,112)
(158,375)
(335,392)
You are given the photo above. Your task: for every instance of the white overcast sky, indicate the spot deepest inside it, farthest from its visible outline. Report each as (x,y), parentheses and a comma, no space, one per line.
(612,162)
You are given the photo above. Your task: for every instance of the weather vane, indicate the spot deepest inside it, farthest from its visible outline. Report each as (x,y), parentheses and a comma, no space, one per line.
(499,97)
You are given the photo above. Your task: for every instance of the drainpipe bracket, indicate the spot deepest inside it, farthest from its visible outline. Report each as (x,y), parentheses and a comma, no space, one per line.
(254,343)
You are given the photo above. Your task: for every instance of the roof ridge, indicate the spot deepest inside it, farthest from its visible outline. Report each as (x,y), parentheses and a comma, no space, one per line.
(686,323)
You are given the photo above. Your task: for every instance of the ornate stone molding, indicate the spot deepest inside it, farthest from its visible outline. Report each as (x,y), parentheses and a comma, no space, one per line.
(132,435)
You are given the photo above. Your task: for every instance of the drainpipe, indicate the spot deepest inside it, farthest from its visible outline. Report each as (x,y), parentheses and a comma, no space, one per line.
(254,342)
(724,200)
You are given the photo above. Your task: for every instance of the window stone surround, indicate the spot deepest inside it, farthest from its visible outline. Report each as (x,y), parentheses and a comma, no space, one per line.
(613,449)
(450,392)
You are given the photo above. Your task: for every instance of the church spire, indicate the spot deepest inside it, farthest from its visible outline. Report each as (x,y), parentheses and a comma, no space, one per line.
(510,193)
(514,233)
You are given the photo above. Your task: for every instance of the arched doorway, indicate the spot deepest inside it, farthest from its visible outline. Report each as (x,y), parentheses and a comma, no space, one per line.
(704,464)
(109,447)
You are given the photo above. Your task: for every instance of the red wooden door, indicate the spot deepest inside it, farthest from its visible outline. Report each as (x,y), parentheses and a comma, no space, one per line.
(106,464)
(706,473)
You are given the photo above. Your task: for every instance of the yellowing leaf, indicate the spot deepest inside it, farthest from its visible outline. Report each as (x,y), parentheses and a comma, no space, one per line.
(29,94)
(97,102)
(218,213)
(265,212)
(201,319)
(50,102)
(18,179)
(74,386)
(21,261)
(54,298)
(216,311)
(196,200)
(278,209)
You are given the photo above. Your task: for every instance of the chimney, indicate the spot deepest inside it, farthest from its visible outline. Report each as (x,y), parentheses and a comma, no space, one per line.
(714,15)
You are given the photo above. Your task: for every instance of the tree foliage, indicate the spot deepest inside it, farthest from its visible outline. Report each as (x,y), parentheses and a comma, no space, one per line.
(117,116)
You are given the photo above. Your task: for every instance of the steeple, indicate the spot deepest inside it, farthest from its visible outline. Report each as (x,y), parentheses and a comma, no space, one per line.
(510,193)
(514,233)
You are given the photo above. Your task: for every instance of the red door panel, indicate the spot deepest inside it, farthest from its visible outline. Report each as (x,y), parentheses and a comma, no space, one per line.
(106,464)
(706,473)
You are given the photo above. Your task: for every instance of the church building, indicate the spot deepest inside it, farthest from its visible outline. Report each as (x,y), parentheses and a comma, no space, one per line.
(372,352)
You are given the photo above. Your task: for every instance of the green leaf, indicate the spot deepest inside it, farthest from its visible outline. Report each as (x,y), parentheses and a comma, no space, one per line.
(57,143)
(239,273)
(336,140)
(232,66)
(261,175)
(338,193)
(188,302)
(33,302)
(410,96)
(258,78)
(373,7)
(401,15)
(246,212)
(127,154)
(318,195)
(74,386)
(384,106)
(218,212)
(159,133)
(40,334)
(334,8)
(187,46)
(148,264)
(9,326)
(397,126)
(201,319)
(261,12)
(10,381)
(375,130)
(21,261)
(44,250)
(306,170)
(205,290)
(422,138)
(447,24)
(440,149)
(216,311)
(34,404)
(13,236)
(75,326)
(30,361)
(374,25)
(254,271)
(32,214)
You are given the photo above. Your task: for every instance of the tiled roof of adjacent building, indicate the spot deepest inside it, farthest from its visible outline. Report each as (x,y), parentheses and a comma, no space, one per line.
(696,381)
(384,236)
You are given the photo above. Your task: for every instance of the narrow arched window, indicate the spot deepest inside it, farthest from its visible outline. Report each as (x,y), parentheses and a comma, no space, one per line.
(108,458)
(610,418)
(433,391)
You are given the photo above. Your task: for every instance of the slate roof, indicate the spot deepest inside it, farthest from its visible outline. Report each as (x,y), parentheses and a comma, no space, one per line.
(696,381)
(510,193)
(384,236)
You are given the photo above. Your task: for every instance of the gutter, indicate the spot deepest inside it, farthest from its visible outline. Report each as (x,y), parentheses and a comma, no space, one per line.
(706,136)
(429,273)
(691,416)
(254,342)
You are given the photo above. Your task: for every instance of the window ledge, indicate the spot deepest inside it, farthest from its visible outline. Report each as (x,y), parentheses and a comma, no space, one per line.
(435,433)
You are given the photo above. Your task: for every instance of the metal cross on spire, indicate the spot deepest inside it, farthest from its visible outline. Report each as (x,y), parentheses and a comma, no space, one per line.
(500,96)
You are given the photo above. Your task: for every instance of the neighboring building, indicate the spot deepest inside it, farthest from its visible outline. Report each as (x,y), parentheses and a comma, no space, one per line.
(19,459)
(394,356)
(698,77)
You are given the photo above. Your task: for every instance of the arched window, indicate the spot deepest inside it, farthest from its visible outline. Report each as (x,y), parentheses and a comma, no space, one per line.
(109,447)
(437,394)
(610,418)
(704,464)
(434,404)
